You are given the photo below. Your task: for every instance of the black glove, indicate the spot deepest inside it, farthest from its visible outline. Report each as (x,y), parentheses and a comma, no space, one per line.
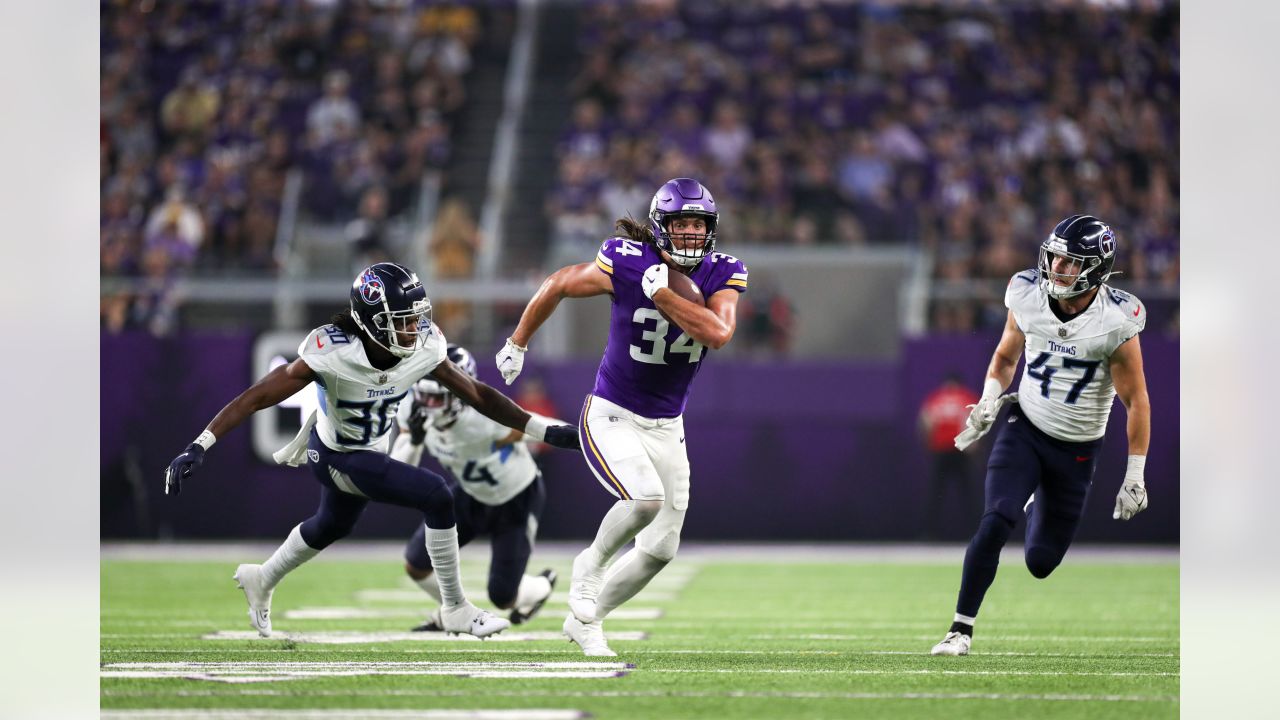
(563,436)
(418,424)
(181,468)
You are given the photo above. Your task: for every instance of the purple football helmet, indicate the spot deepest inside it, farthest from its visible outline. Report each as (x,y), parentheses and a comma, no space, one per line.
(683,197)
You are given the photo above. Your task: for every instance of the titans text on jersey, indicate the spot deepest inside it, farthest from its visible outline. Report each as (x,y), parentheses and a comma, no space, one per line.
(358,401)
(1066,387)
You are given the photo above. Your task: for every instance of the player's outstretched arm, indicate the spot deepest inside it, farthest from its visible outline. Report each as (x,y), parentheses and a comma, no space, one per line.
(574,281)
(1131,385)
(500,408)
(712,326)
(274,387)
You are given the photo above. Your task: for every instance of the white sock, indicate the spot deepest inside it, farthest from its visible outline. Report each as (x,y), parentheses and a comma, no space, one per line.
(292,553)
(442,548)
(625,578)
(430,585)
(965,619)
(532,589)
(618,528)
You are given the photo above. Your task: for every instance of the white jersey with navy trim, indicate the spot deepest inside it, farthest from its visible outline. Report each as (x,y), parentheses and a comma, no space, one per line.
(466,449)
(358,401)
(1066,388)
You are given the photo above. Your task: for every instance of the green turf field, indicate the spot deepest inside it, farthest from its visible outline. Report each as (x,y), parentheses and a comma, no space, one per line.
(819,636)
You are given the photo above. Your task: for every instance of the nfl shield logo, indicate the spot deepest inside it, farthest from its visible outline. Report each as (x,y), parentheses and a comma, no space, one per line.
(382,379)
(1062,332)
(315,456)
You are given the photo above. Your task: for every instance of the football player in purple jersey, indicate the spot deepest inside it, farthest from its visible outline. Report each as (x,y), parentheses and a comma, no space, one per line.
(632,427)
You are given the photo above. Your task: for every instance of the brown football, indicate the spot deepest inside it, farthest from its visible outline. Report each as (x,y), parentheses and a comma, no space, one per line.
(680,284)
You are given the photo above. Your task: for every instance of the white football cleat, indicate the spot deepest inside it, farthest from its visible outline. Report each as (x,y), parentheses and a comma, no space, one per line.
(522,615)
(954,643)
(584,587)
(589,636)
(469,619)
(249,579)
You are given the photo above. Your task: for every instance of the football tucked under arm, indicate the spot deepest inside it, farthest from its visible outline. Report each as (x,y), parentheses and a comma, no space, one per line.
(680,284)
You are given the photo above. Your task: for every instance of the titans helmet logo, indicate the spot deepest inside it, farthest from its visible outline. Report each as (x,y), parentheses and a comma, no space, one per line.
(1107,243)
(371,290)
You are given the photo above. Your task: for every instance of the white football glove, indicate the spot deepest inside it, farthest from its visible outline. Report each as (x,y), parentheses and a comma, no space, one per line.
(655,278)
(1133,493)
(510,361)
(981,416)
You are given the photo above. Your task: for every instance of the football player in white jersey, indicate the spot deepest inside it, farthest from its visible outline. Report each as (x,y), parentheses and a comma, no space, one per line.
(1080,340)
(502,492)
(363,365)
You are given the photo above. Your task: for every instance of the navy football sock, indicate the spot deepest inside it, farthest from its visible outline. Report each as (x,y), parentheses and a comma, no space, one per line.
(981,561)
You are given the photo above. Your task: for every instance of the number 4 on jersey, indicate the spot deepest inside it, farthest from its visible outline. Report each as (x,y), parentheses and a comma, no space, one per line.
(629,247)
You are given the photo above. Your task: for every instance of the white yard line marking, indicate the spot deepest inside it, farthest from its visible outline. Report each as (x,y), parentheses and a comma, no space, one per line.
(992,638)
(344,714)
(395,595)
(667,651)
(984,653)
(1002,673)
(737,694)
(339,637)
(258,672)
(420,613)
(304,674)
(292,665)
(488,650)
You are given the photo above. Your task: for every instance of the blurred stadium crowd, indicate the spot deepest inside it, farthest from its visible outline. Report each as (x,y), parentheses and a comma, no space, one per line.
(967,129)
(206,106)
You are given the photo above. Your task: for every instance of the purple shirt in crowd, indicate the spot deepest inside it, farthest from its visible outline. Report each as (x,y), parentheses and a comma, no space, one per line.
(649,363)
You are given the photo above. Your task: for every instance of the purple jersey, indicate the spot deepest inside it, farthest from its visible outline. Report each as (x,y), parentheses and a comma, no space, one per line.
(649,363)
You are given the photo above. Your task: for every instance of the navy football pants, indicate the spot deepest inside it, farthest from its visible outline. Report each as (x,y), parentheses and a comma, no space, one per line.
(1026,460)
(350,480)
(511,527)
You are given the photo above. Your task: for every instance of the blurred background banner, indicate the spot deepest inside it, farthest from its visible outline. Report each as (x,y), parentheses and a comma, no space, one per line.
(813,450)
(882,168)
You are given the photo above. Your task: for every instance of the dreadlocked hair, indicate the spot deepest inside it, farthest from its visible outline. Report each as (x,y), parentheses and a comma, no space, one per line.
(346,323)
(635,230)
